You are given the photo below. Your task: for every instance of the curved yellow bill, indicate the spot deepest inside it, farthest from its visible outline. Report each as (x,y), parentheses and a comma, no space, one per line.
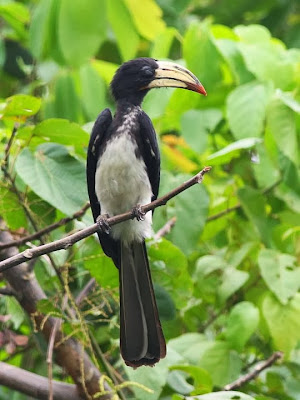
(169,74)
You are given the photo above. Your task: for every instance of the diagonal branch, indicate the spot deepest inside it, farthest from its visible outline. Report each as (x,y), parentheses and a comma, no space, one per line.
(47,229)
(69,353)
(255,372)
(68,241)
(35,385)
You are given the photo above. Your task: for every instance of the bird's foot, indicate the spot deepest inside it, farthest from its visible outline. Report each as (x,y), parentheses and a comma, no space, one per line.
(138,213)
(103,224)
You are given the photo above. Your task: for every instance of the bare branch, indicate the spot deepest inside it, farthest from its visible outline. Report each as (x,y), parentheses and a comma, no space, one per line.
(35,385)
(278,355)
(69,353)
(68,241)
(46,230)
(165,229)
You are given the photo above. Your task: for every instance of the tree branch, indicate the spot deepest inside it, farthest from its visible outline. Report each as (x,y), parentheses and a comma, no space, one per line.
(68,241)
(256,371)
(47,229)
(35,385)
(69,353)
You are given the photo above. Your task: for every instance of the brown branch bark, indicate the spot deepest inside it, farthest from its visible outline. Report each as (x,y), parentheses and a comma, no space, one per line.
(68,241)
(46,230)
(69,353)
(256,371)
(35,385)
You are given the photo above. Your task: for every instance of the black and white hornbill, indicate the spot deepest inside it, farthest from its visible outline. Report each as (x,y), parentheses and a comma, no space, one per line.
(123,171)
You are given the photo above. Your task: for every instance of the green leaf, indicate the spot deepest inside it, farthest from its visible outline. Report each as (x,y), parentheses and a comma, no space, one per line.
(202,55)
(93,91)
(196,124)
(232,280)
(280,273)
(66,102)
(98,264)
(191,205)
(177,382)
(55,176)
(228,395)
(105,69)
(123,27)
(241,324)
(202,380)
(282,125)
(253,34)
(11,210)
(64,132)
(147,17)
(165,304)
(21,105)
(233,150)
(246,110)
(224,365)
(15,311)
(288,98)
(46,306)
(253,203)
(172,273)
(81,28)
(190,346)
(283,322)
(162,44)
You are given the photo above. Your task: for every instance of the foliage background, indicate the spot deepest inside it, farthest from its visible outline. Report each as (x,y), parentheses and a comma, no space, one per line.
(227,276)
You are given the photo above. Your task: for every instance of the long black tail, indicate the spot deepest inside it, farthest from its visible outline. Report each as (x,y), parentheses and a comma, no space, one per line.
(141,337)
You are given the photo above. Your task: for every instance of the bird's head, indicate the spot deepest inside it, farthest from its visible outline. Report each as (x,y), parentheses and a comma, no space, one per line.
(136,77)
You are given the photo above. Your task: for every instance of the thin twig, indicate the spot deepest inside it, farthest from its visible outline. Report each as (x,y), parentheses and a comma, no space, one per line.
(51,343)
(165,229)
(9,144)
(278,355)
(85,291)
(238,206)
(46,230)
(68,241)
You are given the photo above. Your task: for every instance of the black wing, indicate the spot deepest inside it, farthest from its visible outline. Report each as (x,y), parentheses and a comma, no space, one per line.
(150,152)
(98,136)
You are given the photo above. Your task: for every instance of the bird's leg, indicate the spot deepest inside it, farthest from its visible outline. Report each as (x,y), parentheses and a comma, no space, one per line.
(138,213)
(103,224)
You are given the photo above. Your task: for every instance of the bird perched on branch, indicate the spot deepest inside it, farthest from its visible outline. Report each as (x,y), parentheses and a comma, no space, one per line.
(123,172)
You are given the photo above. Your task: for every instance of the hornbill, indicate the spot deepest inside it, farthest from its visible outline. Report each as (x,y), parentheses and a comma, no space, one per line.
(123,172)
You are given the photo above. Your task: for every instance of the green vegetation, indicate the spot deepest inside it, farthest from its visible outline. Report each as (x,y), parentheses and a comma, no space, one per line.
(227,276)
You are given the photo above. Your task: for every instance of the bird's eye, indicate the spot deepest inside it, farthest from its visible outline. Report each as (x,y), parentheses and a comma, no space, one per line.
(146,71)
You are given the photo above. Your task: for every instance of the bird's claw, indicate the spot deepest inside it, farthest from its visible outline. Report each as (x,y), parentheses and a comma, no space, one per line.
(103,224)
(138,213)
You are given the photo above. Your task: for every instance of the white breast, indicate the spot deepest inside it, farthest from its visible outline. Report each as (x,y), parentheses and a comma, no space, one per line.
(122,183)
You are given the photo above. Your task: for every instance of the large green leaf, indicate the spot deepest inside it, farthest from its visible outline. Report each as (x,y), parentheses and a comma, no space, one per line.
(162,44)
(254,204)
(64,132)
(231,281)
(283,322)
(241,324)
(55,176)
(282,124)
(66,102)
(223,364)
(280,273)
(202,55)
(147,17)
(172,273)
(81,27)
(246,110)
(124,29)
(201,379)
(11,210)
(196,124)
(21,105)
(190,346)
(98,264)
(233,150)
(93,91)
